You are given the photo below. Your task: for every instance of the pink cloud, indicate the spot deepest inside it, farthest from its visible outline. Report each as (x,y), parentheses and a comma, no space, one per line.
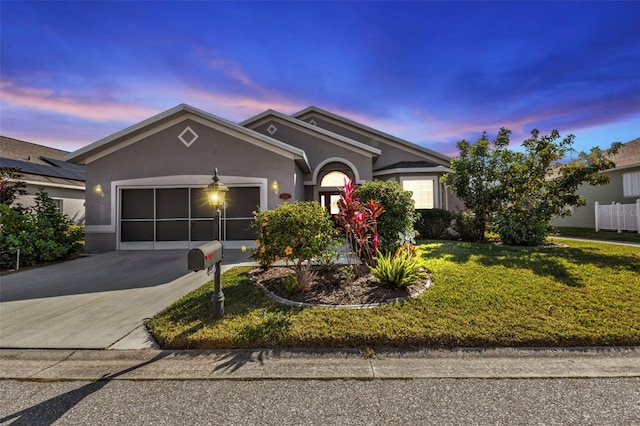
(49,101)
(241,107)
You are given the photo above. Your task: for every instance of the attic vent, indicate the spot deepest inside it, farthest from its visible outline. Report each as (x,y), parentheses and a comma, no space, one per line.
(272,129)
(188,136)
(313,122)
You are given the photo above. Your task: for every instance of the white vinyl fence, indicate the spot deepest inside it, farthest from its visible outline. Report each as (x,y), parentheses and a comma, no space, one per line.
(618,217)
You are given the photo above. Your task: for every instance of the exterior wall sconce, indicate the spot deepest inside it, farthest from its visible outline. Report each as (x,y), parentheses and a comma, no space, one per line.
(98,190)
(275,187)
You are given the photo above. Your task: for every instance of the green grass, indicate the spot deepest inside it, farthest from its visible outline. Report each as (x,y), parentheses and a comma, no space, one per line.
(483,295)
(631,237)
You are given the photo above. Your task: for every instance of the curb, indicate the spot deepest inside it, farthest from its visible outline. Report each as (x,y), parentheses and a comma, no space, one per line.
(243,365)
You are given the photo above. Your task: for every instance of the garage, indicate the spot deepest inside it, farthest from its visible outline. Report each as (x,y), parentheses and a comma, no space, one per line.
(156,218)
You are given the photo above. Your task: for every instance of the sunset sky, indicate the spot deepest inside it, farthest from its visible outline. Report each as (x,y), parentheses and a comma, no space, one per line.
(429,72)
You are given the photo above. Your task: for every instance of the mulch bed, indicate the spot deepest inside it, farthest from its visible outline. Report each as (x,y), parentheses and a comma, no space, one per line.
(336,287)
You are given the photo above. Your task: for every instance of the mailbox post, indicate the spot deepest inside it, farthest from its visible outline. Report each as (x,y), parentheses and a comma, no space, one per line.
(216,192)
(208,257)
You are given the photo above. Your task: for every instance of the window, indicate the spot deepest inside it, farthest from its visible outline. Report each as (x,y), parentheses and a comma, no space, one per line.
(423,191)
(631,184)
(58,204)
(334,179)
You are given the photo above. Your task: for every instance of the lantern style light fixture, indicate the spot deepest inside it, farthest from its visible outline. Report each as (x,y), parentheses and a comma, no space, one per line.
(275,187)
(98,190)
(216,192)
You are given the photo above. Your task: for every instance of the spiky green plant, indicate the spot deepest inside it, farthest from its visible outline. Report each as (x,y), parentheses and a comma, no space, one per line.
(397,270)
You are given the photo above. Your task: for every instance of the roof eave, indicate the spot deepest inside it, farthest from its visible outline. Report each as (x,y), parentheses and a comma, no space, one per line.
(437,169)
(370,149)
(372,130)
(82,154)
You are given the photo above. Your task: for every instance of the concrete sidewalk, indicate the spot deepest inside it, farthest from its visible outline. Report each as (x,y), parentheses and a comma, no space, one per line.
(91,365)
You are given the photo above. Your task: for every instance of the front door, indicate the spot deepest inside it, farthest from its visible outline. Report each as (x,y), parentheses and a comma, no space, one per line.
(329,200)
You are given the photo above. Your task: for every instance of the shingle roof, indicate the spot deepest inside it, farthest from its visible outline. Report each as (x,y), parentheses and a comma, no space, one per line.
(26,151)
(39,163)
(629,153)
(383,135)
(408,165)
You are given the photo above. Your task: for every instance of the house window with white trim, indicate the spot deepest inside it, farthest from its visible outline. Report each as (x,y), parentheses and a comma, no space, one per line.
(58,203)
(334,179)
(423,190)
(631,184)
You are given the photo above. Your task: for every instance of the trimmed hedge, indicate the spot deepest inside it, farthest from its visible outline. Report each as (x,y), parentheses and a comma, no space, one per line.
(433,224)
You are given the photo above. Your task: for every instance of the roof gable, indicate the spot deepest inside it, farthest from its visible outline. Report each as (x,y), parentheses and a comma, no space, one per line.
(181,112)
(325,134)
(364,129)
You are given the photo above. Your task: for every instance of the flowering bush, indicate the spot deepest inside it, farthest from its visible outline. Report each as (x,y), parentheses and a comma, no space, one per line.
(296,232)
(360,222)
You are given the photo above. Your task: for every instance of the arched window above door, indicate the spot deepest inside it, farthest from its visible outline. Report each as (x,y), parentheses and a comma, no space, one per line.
(334,179)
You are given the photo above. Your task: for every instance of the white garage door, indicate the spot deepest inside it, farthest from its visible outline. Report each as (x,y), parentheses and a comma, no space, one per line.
(168,218)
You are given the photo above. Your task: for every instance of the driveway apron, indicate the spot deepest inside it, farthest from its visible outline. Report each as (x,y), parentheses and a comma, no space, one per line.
(91,302)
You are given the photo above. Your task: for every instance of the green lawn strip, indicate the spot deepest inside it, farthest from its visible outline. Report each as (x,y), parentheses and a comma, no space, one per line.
(591,234)
(483,295)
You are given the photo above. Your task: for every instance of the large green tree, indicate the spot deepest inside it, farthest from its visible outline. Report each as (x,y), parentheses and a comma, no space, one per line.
(518,193)
(476,180)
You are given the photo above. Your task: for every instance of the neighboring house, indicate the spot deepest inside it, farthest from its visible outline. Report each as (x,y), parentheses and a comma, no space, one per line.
(44,168)
(624,187)
(146,183)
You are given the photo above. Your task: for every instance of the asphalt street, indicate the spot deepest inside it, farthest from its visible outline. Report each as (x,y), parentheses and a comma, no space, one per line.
(321,402)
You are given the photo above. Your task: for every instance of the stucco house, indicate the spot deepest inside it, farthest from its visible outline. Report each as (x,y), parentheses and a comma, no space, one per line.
(624,187)
(146,183)
(44,168)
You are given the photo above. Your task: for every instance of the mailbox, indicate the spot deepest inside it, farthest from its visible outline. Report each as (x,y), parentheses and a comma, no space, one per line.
(205,256)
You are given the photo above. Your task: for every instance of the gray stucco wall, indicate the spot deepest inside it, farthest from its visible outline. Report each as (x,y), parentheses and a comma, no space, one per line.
(72,200)
(163,154)
(391,154)
(584,217)
(318,149)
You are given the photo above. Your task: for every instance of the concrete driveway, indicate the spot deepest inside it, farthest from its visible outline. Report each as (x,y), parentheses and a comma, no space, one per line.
(95,302)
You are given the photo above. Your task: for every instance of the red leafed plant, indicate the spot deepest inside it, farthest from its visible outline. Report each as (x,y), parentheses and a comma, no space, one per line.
(359,222)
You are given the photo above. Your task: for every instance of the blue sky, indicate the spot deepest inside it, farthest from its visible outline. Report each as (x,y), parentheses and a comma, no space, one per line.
(430,72)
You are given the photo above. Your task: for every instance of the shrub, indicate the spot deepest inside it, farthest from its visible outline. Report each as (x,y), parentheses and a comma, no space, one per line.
(397,270)
(328,259)
(10,185)
(520,228)
(433,223)
(41,233)
(359,221)
(469,227)
(518,193)
(295,232)
(301,282)
(398,206)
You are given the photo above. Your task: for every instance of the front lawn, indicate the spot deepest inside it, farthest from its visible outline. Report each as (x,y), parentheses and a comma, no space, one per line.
(483,295)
